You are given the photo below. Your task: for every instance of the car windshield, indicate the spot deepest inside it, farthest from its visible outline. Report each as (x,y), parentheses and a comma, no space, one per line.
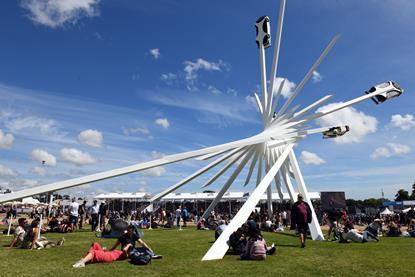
(383,85)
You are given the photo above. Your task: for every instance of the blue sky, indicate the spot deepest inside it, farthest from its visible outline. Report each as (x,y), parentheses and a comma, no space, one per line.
(91,85)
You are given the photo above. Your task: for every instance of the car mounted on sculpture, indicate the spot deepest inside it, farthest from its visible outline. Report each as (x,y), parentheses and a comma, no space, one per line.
(263,29)
(391,89)
(335,132)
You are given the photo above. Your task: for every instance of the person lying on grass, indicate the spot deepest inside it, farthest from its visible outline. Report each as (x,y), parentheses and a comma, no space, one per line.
(351,234)
(98,254)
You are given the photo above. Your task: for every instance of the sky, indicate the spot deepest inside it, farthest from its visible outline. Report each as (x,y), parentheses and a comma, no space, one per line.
(90,85)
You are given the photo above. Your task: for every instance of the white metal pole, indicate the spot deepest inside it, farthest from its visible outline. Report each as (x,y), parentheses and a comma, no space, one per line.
(50,204)
(40,225)
(98,228)
(10,224)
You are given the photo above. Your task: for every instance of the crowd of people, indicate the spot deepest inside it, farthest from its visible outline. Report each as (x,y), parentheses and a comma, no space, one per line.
(247,241)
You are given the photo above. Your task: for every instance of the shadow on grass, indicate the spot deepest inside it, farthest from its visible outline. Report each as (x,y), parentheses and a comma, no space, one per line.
(287,234)
(287,245)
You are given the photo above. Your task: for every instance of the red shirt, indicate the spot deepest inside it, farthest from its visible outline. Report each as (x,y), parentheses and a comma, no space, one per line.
(302,212)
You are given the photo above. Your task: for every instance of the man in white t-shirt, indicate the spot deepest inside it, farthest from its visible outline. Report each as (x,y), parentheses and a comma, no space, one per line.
(73,214)
(178,215)
(284,218)
(94,215)
(19,234)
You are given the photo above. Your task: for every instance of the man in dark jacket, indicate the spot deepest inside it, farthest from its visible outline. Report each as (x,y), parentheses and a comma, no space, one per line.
(300,218)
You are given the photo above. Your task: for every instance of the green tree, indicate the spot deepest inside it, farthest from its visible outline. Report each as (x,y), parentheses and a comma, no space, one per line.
(402,195)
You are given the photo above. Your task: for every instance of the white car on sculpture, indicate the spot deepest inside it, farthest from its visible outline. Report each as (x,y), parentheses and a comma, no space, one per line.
(391,89)
(263,29)
(335,132)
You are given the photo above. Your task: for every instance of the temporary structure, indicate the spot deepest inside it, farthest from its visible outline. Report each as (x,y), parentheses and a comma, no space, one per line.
(386,212)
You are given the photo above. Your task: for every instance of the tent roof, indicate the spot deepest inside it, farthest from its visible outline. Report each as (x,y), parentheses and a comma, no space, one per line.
(188,196)
(386,211)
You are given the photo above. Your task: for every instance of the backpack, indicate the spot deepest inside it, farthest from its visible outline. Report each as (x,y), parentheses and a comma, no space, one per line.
(140,256)
(258,250)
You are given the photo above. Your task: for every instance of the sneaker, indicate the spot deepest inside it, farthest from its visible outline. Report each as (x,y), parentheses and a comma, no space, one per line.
(78,264)
(272,250)
(61,242)
(39,245)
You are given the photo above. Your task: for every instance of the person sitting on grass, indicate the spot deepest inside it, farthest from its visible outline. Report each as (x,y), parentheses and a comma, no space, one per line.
(393,230)
(373,229)
(201,225)
(19,234)
(222,224)
(237,241)
(411,228)
(256,247)
(33,240)
(351,234)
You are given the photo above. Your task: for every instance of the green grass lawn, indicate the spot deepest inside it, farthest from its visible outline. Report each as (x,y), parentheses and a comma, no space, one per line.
(182,252)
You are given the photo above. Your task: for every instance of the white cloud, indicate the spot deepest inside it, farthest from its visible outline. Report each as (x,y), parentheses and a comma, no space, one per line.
(381,152)
(360,123)
(287,89)
(138,130)
(392,149)
(155,53)
(405,122)
(45,126)
(214,90)
(6,140)
(7,172)
(56,13)
(316,77)
(311,158)
(155,171)
(168,78)
(399,149)
(91,137)
(76,156)
(43,157)
(191,70)
(251,101)
(39,170)
(163,122)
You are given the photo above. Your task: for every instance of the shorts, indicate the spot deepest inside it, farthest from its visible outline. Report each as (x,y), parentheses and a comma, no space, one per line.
(73,219)
(302,228)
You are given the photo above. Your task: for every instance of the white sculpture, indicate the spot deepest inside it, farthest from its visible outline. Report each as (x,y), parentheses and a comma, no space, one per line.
(270,151)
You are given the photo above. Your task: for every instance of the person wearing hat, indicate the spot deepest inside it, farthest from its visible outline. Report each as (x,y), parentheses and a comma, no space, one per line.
(19,234)
(300,218)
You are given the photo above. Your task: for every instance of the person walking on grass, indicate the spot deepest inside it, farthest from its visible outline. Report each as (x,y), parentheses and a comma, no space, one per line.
(300,218)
